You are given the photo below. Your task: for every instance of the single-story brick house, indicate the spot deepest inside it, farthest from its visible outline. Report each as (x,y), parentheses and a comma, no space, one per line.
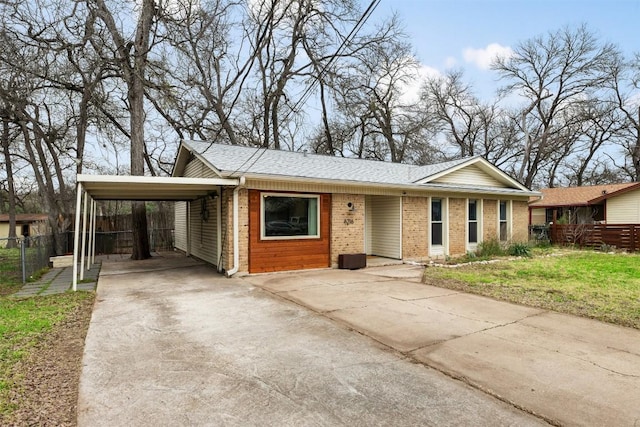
(605,204)
(295,210)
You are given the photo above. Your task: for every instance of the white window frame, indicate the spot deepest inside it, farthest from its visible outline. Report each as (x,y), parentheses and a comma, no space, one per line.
(508,221)
(471,246)
(264,195)
(443,248)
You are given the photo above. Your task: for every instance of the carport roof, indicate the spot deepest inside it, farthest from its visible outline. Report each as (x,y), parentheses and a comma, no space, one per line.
(143,188)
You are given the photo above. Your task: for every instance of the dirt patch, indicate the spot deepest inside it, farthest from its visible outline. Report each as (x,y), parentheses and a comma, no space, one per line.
(48,389)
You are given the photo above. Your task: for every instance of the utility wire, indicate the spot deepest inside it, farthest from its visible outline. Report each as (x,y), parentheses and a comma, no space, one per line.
(307,93)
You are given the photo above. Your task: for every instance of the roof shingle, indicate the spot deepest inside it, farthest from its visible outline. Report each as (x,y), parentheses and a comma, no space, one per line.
(575,196)
(233,159)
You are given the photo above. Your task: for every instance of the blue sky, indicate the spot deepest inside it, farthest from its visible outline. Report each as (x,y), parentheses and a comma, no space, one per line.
(442,30)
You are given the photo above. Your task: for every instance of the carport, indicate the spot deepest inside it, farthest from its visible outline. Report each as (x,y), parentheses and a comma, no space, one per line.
(93,188)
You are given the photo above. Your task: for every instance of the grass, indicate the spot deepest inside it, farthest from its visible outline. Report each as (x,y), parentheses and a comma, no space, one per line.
(598,285)
(11,271)
(23,324)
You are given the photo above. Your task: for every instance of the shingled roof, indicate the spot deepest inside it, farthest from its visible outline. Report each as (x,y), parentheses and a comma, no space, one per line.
(229,159)
(577,196)
(234,160)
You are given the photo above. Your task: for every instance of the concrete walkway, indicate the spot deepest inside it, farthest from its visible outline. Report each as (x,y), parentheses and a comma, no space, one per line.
(565,369)
(172,343)
(59,280)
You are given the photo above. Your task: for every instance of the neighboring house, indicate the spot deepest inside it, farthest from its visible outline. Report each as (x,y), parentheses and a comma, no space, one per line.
(26,225)
(297,211)
(606,204)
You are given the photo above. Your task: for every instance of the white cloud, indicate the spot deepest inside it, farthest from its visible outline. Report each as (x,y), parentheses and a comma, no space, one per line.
(450,62)
(411,89)
(482,58)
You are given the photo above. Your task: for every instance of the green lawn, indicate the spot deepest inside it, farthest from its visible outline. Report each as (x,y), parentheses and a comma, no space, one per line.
(10,270)
(23,324)
(592,284)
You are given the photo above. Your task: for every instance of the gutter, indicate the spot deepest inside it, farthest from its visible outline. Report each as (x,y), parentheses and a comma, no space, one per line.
(430,187)
(236,231)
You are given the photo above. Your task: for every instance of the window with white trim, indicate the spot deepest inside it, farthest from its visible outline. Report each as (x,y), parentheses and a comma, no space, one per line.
(436,222)
(289,216)
(504,220)
(472,218)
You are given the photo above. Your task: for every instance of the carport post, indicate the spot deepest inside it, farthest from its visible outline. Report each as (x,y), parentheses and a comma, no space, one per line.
(76,235)
(92,260)
(84,235)
(91,224)
(188,251)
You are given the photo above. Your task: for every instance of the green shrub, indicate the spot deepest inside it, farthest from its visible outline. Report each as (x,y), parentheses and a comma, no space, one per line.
(489,248)
(520,249)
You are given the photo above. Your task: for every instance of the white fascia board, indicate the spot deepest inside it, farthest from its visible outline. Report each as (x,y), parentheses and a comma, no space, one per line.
(200,157)
(447,171)
(127,179)
(406,187)
(486,167)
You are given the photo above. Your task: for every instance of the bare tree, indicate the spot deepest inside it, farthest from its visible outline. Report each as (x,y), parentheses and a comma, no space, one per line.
(131,58)
(600,124)
(625,85)
(371,96)
(552,72)
(468,125)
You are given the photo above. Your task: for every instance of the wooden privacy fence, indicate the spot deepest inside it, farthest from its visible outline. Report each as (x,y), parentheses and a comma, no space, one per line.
(622,236)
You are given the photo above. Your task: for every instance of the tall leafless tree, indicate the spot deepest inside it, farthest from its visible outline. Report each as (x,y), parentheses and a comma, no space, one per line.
(131,58)
(551,72)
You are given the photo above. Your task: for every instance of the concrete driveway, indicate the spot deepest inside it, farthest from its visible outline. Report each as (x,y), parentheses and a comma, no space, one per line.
(566,369)
(173,343)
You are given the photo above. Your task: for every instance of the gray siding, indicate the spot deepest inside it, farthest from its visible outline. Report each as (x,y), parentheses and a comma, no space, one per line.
(180,226)
(204,230)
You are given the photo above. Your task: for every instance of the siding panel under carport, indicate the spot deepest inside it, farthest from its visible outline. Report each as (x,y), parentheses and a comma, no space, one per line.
(204,230)
(384,225)
(180,226)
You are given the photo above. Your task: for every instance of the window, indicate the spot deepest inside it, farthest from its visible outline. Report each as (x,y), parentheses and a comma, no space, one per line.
(504,223)
(286,216)
(473,221)
(436,222)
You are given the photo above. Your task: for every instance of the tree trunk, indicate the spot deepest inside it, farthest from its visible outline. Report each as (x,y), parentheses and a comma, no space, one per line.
(136,90)
(11,243)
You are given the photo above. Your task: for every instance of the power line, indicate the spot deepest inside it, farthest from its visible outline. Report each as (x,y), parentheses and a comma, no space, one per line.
(307,93)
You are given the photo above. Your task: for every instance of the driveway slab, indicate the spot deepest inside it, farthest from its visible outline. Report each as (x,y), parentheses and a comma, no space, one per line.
(566,369)
(176,344)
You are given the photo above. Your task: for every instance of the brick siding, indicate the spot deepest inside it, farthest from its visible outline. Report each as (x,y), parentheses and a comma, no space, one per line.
(347,226)
(415,228)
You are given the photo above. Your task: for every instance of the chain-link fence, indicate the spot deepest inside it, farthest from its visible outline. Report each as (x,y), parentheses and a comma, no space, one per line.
(21,257)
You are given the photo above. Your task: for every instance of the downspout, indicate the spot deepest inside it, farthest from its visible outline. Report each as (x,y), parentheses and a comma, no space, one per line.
(236,232)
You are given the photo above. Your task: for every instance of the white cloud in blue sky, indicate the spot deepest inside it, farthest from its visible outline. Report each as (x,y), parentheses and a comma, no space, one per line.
(467,34)
(483,57)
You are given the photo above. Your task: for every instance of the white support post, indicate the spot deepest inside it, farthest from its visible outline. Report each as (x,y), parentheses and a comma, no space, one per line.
(188,251)
(90,237)
(93,247)
(219,230)
(84,235)
(76,236)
